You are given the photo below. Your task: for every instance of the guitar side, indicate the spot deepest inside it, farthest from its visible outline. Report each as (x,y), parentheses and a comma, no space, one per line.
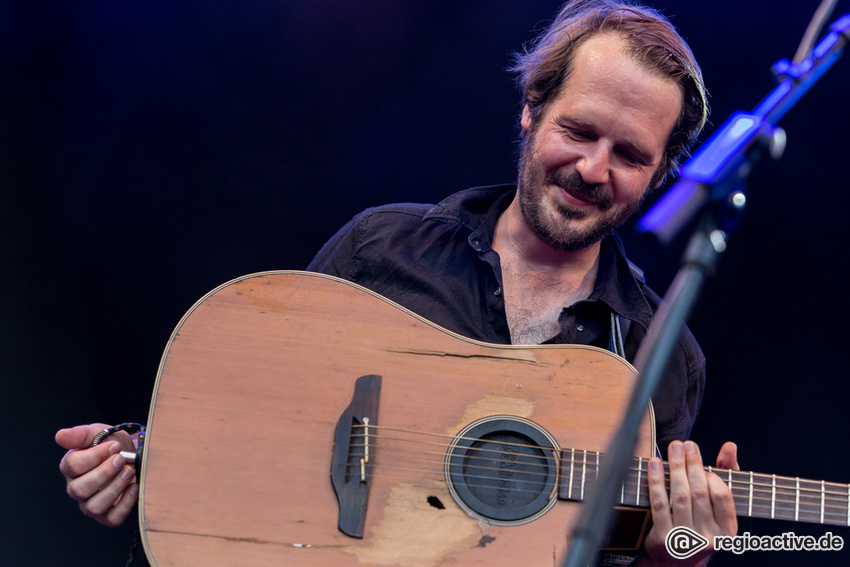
(253,381)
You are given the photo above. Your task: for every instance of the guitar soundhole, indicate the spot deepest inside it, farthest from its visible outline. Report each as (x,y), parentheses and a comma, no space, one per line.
(504,469)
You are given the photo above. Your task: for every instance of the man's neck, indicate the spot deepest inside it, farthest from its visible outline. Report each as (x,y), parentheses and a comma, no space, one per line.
(539,281)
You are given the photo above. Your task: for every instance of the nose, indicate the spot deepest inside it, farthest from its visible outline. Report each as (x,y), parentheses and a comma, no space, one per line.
(594,164)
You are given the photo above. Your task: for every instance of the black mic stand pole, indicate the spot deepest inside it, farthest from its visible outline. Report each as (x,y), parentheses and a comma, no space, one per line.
(710,187)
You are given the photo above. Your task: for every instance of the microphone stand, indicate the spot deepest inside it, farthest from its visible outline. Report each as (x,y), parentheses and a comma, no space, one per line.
(711,187)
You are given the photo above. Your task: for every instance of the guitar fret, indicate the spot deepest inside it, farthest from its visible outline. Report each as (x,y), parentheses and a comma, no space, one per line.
(583,474)
(785,497)
(835,501)
(812,505)
(592,469)
(637,484)
(750,505)
(597,466)
(773,497)
(790,498)
(740,482)
(755,495)
(623,489)
(797,502)
(762,505)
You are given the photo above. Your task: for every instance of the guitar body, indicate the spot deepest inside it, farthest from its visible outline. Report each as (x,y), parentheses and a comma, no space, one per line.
(250,391)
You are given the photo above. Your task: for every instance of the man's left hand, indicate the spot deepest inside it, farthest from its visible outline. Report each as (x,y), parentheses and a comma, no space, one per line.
(698,500)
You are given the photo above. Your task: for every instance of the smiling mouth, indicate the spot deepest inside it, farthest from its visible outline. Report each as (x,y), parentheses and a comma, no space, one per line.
(577,195)
(578,199)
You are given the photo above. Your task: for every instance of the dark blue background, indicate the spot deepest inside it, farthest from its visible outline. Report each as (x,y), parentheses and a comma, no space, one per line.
(152,150)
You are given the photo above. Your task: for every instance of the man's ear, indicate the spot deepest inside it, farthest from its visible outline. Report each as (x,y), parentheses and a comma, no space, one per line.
(526,120)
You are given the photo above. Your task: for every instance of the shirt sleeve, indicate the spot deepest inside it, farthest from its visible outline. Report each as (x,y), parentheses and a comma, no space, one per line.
(336,257)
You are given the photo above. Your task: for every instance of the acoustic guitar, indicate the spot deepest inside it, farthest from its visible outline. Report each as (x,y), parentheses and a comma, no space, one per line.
(299,419)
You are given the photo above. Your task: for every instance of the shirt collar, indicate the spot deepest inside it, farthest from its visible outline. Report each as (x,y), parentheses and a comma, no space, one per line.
(623,291)
(479,208)
(474,207)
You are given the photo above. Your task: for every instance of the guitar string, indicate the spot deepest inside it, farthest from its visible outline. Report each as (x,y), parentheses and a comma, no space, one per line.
(816,491)
(816,494)
(759,495)
(630,497)
(842,492)
(831,516)
(481,453)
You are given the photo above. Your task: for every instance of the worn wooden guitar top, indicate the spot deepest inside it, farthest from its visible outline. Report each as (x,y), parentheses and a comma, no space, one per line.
(465,456)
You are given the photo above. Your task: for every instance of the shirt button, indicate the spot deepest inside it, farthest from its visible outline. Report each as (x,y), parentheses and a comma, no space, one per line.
(579,328)
(498,291)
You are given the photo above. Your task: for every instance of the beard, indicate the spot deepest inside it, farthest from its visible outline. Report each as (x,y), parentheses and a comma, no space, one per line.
(561,225)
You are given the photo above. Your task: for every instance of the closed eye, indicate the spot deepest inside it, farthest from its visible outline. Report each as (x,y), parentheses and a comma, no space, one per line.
(574,130)
(579,135)
(578,130)
(632,159)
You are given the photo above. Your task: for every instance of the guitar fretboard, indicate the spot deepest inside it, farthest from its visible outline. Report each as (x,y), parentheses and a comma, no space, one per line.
(756,495)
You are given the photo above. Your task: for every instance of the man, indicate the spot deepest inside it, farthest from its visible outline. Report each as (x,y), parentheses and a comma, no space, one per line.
(612,101)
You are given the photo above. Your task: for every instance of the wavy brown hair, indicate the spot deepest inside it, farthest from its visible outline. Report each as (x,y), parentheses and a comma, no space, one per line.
(544,67)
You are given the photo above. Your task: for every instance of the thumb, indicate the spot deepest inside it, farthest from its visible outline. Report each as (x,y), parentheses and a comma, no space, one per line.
(727,458)
(78,437)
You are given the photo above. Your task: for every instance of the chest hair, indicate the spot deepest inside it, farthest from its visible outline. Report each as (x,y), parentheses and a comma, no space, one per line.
(534,301)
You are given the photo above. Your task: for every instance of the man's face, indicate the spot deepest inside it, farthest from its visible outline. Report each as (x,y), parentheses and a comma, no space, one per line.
(588,161)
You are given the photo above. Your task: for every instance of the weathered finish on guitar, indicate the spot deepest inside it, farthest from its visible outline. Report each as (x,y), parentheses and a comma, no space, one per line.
(252,383)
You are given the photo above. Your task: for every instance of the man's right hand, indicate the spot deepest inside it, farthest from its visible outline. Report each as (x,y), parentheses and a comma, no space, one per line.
(98,478)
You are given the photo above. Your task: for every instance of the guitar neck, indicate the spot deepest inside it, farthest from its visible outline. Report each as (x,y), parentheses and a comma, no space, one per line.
(756,495)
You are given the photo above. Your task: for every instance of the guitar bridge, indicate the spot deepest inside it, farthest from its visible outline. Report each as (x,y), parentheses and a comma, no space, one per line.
(353,454)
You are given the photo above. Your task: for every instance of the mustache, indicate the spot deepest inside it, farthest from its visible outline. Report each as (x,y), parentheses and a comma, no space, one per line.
(573,183)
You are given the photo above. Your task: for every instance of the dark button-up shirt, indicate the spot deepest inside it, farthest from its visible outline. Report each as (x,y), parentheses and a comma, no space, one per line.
(438,261)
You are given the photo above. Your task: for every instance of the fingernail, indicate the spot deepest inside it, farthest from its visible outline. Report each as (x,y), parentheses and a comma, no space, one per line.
(690,447)
(127,473)
(118,461)
(114,448)
(676,449)
(133,490)
(655,464)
